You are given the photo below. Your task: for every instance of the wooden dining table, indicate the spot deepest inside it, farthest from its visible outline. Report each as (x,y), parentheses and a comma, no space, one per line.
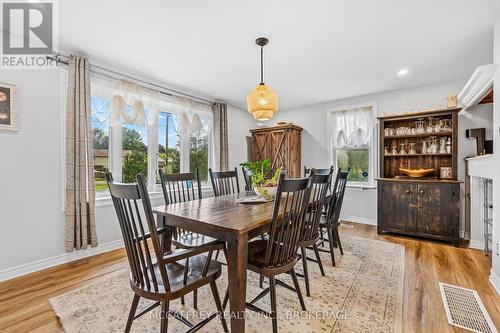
(225,219)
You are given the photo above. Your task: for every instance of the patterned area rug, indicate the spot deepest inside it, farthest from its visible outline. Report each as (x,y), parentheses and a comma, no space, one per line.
(364,293)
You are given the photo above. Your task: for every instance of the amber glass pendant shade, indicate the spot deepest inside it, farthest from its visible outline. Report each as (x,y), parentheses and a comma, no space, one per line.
(262,102)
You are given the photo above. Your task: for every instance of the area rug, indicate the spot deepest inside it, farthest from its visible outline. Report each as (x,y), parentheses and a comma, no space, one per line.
(364,293)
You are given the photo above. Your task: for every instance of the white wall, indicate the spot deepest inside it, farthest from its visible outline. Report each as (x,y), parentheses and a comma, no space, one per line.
(31,177)
(361,204)
(240,122)
(495,271)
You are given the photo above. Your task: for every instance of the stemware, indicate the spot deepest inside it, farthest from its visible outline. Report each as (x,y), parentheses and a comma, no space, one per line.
(402,151)
(394,150)
(412,150)
(425,145)
(442,145)
(420,126)
(430,126)
(386,151)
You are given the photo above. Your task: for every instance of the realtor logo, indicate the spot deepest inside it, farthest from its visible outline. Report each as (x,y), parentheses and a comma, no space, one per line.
(28,34)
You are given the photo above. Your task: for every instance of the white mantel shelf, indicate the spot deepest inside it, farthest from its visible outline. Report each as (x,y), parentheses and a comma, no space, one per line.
(481,166)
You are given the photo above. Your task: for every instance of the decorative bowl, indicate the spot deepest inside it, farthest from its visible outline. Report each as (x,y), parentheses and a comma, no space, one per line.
(266,192)
(416,173)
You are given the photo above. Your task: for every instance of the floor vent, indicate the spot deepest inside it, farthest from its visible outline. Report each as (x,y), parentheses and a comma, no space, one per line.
(464,309)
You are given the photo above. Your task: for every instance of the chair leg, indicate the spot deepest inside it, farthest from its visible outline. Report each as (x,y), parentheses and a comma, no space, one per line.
(164,317)
(261,281)
(338,240)
(297,289)
(217,255)
(195,299)
(318,259)
(215,293)
(131,314)
(330,243)
(274,312)
(306,272)
(226,299)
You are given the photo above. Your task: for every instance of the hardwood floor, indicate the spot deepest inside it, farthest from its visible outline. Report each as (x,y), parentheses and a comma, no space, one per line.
(24,303)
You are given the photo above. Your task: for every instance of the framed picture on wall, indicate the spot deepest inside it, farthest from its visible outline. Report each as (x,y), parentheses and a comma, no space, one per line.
(9,113)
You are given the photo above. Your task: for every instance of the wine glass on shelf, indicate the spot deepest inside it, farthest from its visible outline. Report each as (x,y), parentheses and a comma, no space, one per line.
(402,151)
(412,150)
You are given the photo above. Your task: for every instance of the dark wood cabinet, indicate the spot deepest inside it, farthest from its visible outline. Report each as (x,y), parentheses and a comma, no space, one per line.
(430,210)
(279,144)
(424,207)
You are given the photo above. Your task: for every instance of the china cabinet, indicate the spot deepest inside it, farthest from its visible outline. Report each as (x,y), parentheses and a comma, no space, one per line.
(419,206)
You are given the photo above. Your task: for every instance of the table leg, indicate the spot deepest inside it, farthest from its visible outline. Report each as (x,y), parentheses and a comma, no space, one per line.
(237,252)
(166,238)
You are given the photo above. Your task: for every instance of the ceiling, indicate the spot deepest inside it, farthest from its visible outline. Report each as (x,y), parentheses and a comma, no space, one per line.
(318,50)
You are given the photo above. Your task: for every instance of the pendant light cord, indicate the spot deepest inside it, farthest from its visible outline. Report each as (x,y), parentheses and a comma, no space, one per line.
(261,65)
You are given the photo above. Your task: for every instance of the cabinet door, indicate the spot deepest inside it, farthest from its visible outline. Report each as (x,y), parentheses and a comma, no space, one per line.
(396,209)
(261,146)
(437,211)
(279,149)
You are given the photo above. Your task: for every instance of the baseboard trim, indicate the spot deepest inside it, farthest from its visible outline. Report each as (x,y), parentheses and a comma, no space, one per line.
(478,245)
(358,219)
(13,272)
(495,281)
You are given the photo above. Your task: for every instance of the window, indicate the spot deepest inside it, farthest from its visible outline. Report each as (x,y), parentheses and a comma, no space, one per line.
(134,152)
(351,142)
(100,141)
(127,144)
(198,153)
(168,144)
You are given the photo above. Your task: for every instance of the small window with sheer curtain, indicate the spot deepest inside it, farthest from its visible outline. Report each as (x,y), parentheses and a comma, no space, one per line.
(351,143)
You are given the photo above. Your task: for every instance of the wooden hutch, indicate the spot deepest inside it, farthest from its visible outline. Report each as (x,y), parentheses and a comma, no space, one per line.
(281,145)
(428,206)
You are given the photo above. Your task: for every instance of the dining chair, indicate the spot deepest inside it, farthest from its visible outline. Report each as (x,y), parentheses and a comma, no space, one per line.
(224,182)
(183,187)
(157,275)
(247,176)
(310,235)
(307,171)
(278,253)
(331,221)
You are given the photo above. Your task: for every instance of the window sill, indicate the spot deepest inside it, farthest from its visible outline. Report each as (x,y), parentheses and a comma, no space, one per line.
(367,187)
(105,199)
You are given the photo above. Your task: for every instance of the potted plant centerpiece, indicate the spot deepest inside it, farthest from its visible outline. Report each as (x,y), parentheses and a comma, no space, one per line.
(264,180)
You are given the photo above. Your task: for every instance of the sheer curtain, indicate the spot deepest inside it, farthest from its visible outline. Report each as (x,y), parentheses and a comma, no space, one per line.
(352,128)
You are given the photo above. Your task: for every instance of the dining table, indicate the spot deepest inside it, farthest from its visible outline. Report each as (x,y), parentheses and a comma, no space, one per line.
(225,219)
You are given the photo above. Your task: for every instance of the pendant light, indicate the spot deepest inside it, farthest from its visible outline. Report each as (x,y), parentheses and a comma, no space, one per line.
(262,102)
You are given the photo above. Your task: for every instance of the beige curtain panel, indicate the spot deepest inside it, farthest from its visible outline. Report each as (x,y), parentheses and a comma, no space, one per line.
(80,228)
(220,133)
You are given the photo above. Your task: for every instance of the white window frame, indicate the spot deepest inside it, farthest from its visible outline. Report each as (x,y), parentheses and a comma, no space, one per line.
(184,154)
(372,148)
(116,160)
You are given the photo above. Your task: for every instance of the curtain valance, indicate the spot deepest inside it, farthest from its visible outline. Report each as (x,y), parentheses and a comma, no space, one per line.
(352,128)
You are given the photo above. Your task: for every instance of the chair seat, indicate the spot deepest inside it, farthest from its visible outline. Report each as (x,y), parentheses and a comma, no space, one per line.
(175,273)
(257,257)
(191,240)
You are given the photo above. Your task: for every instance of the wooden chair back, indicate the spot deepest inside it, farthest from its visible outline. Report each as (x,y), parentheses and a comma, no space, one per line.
(307,171)
(180,187)
(292,198)
(224,182)
(335,206)
(321,184)
(126,199)
(247,175)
